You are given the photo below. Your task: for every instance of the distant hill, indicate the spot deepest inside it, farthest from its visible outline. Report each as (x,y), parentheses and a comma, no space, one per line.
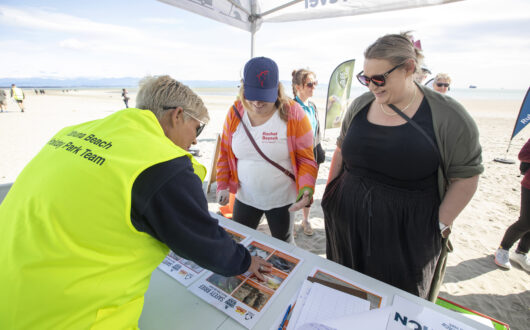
(125,82)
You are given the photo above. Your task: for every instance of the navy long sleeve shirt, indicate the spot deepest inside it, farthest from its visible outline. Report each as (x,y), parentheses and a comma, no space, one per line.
(168,203)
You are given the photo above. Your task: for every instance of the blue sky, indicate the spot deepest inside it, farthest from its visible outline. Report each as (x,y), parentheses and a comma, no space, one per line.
(480,42)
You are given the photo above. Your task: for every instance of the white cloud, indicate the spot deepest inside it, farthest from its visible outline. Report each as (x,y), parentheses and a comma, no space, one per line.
(158,20)
(73,43)
(38,19)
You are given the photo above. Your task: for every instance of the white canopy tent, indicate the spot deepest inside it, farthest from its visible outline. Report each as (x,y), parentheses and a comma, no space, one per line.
(250,14)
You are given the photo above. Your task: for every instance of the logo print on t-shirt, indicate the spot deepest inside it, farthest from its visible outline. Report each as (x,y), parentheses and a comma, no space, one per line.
(262,76)
(269,137)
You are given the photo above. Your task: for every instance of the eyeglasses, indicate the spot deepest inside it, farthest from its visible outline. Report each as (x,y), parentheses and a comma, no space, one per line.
(378,79)
(201,126)
(442,85)
(312,84)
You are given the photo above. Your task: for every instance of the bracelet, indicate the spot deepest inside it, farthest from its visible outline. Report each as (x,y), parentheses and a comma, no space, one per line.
(442,225)
(445,230)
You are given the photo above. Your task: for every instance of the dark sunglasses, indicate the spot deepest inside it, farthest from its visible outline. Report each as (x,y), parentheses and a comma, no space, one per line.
(201,123)
(378,79)
(442,85)
(312,84)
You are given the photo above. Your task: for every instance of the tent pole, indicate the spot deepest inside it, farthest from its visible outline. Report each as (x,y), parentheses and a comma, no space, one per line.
(252,33)
(253,18)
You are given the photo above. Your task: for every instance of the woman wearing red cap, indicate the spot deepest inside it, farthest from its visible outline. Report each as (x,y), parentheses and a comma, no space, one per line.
(266,156)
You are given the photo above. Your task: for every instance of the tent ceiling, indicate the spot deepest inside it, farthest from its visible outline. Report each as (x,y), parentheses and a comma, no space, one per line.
(250,14)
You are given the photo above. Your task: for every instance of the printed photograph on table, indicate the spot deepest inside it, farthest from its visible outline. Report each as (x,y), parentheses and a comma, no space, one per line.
(245,298)
(235,235)
(253,295)
(259,250)
(282,262)
(273,280)
(227,284)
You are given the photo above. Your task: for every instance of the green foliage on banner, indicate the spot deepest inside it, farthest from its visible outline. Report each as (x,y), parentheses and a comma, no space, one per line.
(338,93)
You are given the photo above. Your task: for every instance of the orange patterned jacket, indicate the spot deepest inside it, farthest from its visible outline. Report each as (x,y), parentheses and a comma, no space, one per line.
(299,143)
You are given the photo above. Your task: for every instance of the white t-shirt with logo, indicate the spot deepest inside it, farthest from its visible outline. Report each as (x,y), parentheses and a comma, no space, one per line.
(262,185)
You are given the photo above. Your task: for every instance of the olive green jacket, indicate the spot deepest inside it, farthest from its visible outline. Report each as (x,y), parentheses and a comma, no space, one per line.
(457,139)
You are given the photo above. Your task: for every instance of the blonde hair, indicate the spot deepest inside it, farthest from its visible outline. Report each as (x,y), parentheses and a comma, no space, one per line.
(157,92)
(282,102)
(395,48)
(300,77)
(443,76)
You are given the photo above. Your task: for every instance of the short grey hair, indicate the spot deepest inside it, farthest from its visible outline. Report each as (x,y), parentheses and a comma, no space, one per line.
(443,76)
(157,92)
(395,48)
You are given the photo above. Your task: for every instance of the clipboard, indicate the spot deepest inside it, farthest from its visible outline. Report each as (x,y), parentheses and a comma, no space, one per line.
(346,289)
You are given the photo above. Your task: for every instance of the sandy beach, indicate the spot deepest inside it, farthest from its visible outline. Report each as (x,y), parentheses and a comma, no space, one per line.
(472,278)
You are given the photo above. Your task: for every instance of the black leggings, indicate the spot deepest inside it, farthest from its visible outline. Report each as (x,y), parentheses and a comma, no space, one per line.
(279,219)
(520,228)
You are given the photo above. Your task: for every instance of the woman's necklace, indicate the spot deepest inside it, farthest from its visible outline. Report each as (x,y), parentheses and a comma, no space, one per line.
(403,110)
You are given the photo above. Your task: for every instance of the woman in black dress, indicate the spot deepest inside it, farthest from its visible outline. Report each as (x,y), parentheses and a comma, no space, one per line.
(395,187)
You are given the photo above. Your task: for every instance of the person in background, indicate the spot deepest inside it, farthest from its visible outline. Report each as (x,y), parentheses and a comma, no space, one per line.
(280,129)
(18,95)
(521,228)
(125,96)
(395,189)
(441,83)
(304,83)
(422,74)
(96,211)
(3,100)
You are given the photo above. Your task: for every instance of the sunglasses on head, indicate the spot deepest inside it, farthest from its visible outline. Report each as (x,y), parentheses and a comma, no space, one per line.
(201,123)
(442,85)
(312,84)
(378,79)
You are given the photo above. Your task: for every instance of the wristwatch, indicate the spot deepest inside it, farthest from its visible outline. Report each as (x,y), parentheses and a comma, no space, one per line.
(445,230)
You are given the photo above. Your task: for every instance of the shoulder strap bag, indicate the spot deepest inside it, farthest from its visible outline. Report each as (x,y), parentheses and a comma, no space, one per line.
(446,243)
(422,131)
(273,163)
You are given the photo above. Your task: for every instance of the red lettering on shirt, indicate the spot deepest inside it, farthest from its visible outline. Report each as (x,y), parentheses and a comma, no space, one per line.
(269,137)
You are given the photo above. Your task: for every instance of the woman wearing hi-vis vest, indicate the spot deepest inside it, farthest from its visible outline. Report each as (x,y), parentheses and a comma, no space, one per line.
(96,211)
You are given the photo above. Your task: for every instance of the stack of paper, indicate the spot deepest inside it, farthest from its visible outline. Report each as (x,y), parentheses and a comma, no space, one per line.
(323,303)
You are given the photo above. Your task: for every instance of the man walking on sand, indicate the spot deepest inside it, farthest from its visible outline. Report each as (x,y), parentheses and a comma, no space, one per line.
(18,95)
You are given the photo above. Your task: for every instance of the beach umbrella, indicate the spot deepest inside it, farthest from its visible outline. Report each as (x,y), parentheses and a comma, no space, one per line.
(250,14)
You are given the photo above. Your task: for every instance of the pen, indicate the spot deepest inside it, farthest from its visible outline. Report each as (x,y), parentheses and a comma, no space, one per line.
(284,317)
(289,317)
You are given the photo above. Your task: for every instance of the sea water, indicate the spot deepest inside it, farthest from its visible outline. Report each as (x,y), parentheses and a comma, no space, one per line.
(322,90)
(226,88)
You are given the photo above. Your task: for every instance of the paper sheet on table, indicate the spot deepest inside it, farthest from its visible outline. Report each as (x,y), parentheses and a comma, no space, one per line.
(373,319)
(300,302)
(323,303)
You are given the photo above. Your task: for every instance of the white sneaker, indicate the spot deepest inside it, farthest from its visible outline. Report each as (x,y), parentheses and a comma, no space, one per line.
(522,260)
(502,258)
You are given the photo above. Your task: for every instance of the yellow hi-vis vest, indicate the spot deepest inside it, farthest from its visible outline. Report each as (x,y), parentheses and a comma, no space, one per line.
(70,256)
(18,94)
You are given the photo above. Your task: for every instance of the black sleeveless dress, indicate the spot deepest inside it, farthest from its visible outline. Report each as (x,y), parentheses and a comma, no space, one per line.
(381,212)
